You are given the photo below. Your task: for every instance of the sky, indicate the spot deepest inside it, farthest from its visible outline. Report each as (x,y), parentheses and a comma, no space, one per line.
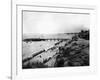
(51,23)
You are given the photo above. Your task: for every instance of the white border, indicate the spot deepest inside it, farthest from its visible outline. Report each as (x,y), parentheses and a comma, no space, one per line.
(17,71)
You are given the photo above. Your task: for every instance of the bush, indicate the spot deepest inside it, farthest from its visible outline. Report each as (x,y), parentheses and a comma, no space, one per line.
(84,34)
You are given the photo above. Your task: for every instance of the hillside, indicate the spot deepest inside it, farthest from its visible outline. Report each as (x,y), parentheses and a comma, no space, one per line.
(73,51)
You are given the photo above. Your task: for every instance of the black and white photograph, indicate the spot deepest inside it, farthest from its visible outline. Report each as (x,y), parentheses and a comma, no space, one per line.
(55,39)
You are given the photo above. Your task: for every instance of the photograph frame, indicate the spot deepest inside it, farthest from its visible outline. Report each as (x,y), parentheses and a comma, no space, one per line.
(17,72)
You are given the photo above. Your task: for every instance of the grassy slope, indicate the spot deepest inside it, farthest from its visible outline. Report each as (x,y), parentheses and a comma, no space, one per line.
(74,52)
